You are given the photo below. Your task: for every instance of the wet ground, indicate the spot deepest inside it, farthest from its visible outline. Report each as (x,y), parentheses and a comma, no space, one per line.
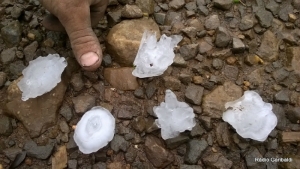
(227,48)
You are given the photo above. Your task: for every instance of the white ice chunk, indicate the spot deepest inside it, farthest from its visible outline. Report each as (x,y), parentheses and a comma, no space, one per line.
(173,116)
(153,57)
(250,116)
(41,75)
(95,130)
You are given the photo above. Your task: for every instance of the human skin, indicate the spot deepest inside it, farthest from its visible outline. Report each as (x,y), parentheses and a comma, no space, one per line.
(77,17)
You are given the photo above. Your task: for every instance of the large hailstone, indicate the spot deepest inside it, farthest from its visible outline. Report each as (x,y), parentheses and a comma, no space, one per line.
(153,57)
(174,117)
(41,75)
(95,130)
(250,116)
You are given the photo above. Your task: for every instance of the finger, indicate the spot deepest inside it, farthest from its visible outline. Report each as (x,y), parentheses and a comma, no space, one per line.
(51,22)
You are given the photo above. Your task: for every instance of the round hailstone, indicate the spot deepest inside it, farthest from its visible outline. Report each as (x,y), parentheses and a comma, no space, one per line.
(41,75)
(95,129)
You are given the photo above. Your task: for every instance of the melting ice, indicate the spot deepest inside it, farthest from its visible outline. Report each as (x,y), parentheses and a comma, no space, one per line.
(153,57)
(173,116)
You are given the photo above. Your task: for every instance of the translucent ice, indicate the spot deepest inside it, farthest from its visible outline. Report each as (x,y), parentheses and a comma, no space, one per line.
(41,76)
(250,116)
(173,116)
(95,129)
(153,57)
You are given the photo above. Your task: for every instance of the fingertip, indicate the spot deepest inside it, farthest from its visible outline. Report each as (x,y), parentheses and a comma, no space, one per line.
(90,61)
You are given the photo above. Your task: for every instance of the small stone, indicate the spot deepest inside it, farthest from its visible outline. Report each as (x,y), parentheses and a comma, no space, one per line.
(217,64)
(194,150)
(77,82)
(273,144)
(252,59)
(194,93)
(114,17)
(139,93)
(282,96)
(11,33)
(292,17)
(264,17)
(63,126)
(72,164)
(190,32)
(231,72)
(160,18)
(289,137)
(151,88)
(147,6)
(131,154)
(30,51)
(197,80)
(66,112)
(176,4)
(203,10)
(212,23)
(222,37)
(280,74)
(197,131)
(206,122)
(11,153)
(185,78)
(189,51)
(204,47)
(172,83)
(5,126)
(179,61)
(49,43)
(119,143)
(222,135)
(184,166)
(250,157)
(8,55)
(139,124)
(83,103)
(293,114)
(131,11)
(223,4)
(217,160)
(246,23)
(238,45)
(231,60)
(39,152)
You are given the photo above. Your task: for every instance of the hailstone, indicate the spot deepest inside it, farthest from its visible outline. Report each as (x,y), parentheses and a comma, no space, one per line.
(250,116)
(153,57)
(41,75)
(94,130)
(173,116)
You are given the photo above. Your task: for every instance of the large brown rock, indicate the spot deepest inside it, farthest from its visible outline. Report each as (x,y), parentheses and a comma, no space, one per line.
(121,78)
(214,102)
(40,113)
(123,40)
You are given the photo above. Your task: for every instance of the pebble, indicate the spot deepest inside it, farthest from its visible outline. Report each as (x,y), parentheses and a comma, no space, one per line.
(197,131)
(131,154)
(203,10)
(119,143)
(151,89)
(264,18)
(212,22)
(197,80)
(217,160)
(172,83)
(3,78)
(193,94)
(30,51)
(139,124)
(289,137)
(83,103)
(8,55)
(194,150)
(66,112)
(222,135)
(223,4)
(11,33)
(147,6)
(293,114)
(40,152)
(217,63)
(11,153)
(64,127)
(139,93)
(179,61)
(175,142)
(160,18)
(250,155)
(190,32)
(77,82)
(280,74)
(231,72)
(222,37)
(238,45)
(131,11)
(72,164)
(282,96)
(189,51)
(5,126)
(176,4)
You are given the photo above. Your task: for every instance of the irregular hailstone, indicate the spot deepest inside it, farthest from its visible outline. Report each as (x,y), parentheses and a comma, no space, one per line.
(153,57)
(173,116)
(95,129)
(250,116)
(41,75)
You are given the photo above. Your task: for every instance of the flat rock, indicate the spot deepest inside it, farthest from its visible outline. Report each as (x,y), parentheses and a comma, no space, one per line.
(147,6)
(194,93)
(5,125)
(83,103)
(172,83)
(123,45)
(217,160)
(8,55)
(176,4)
(293,57)
(250,157)
(264,18)
(289,137)
(189,51)
(223,4)
(213,103)
(194,151)
(121,78)
(268,49)
(212,22)
(177,141)
(131,11)
(222,135)
(119,143)
(237,45)
(156,153)
(30,51)
(222,37)
(246,23)
(40,152)
(11,33)
(37,114)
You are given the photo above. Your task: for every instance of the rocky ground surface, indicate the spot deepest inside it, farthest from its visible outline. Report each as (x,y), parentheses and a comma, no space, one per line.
(227,48)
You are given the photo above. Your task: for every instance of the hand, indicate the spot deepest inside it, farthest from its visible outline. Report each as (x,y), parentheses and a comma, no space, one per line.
(77,17)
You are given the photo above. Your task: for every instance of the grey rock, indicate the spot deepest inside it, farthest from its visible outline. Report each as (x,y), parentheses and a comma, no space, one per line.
(264,18)
(190,32)
(217,63)
(139,93)
(16,12)
(282,96)
(191,6)
(164,6)
(147,6)
(77,81)
(238,46)
(250,157)
(270,164)
(5,126)
(177,141)
(212,22)
(184,166)
(160,18)
(206,122)
(8,55)
(293,114)
(268,49)
(39,152)
(16,68)
(222,135)
(284,11)
(222,37)
(139,124)
(205,46)
(189,51)
(217,160)
(83,103)
(71,145)
(231,72)
(151,88)
(197,131)
(246,23)
(223,4)
(203,10)
(185,78)
(72,164)
(280,74)
(172,83)
(213,103)
(296,4)
(11,153)
(107,60)
(176,4)
(289,38)
(64,127)
(280,113)
(66,112)
(114,17)
(194,151)
(273,144)
(131,154)
(201,2)
(172,18)
(3,78)
(131,11)
(156,152)
(119,143)
(273,7)
(30,51)
(11,33)
(194,93)
(179,61)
